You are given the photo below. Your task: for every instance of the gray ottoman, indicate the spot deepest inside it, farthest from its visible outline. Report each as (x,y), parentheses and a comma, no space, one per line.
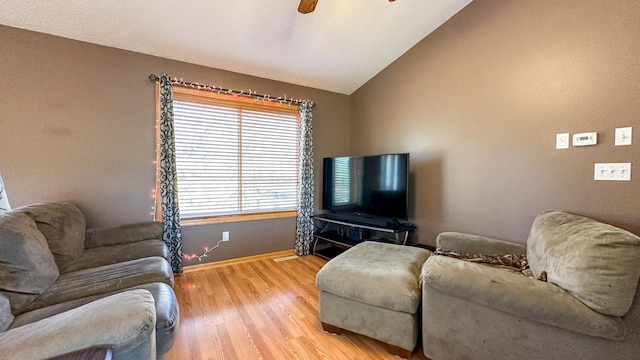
(373,289)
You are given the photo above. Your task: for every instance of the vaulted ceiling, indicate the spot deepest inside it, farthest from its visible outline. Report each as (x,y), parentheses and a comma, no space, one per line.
(338,47)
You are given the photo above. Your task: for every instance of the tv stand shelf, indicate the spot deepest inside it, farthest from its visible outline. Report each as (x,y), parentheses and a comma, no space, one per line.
(334,236)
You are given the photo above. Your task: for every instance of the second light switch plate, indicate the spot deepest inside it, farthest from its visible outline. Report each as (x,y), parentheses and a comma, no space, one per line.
(623,136)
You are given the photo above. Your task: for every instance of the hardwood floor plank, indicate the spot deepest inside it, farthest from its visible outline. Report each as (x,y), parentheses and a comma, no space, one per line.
(261,309)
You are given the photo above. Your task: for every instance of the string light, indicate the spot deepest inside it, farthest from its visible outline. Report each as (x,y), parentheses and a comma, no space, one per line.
(154,191)
(218,89)
(204,254)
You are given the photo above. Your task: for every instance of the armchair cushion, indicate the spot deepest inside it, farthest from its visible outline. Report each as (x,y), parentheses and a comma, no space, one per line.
(27,267)
(63,225)
(6,317)
(518,295)
(595,262)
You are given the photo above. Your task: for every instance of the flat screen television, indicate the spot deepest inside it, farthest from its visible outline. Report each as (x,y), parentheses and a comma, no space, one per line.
(367,186)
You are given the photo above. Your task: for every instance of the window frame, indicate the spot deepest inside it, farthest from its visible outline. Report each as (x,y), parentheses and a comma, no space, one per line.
(237,100)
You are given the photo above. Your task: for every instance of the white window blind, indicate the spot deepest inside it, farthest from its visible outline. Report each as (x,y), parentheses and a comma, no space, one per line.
(234,156)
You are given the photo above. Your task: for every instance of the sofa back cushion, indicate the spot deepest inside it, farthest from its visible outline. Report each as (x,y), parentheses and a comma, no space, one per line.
(64,227)
(27,267)
(597,263)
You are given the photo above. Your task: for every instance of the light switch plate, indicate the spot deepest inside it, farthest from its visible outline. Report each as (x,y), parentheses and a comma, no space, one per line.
(562,141)
(612,171)
(623,136)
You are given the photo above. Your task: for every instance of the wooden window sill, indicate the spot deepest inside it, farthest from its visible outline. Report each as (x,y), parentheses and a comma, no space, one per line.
(237,218)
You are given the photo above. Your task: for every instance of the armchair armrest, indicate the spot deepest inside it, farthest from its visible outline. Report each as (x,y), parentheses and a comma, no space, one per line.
(123,234)
(474,244)
(124,320)
(518,295)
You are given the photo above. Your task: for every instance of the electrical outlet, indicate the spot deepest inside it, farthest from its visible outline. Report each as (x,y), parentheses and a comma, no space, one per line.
(612,171)
(225,236)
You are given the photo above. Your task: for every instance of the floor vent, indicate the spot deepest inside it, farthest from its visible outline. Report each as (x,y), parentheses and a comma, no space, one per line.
(286,258)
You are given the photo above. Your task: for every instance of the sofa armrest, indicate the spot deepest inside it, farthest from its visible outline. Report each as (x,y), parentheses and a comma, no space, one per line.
(474,244)
(517,295)
(123,234)
(125,321)
(93,353)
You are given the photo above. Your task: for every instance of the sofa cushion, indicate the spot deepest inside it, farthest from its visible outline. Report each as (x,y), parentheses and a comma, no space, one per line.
(105,255)
(595,262)
(105,279)
(27,267)
(167,312)
(63,225)
(6,317)
(128,233)
(125,321)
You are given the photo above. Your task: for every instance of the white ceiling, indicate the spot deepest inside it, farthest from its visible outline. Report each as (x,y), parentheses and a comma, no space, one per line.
(338,47)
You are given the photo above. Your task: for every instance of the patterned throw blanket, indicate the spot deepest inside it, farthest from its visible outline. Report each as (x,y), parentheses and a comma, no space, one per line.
(515,263)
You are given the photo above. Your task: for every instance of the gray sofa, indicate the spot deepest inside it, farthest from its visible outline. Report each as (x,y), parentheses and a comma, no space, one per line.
(589,307)
(64,287)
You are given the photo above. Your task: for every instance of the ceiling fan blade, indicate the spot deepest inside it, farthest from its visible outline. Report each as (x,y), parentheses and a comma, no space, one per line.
(307,6)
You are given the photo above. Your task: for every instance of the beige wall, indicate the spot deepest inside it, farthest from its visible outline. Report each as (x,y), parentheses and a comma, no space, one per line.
(478,103)
(77,123)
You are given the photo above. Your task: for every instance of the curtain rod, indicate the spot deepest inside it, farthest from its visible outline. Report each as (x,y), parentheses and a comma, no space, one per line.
(220,90)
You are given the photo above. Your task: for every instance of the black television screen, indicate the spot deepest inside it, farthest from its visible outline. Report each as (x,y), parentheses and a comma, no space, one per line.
(374,185)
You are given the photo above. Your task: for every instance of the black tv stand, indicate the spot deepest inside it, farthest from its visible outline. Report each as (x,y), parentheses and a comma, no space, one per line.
(334,234)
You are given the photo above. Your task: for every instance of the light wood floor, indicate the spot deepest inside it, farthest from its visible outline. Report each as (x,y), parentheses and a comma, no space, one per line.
(261,309)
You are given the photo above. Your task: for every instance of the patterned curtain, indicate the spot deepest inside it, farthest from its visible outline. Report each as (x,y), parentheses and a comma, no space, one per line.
(304,224)
(4,200)
(168,183)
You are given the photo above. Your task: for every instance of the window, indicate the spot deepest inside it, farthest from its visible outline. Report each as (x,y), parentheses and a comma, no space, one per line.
(235,156)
